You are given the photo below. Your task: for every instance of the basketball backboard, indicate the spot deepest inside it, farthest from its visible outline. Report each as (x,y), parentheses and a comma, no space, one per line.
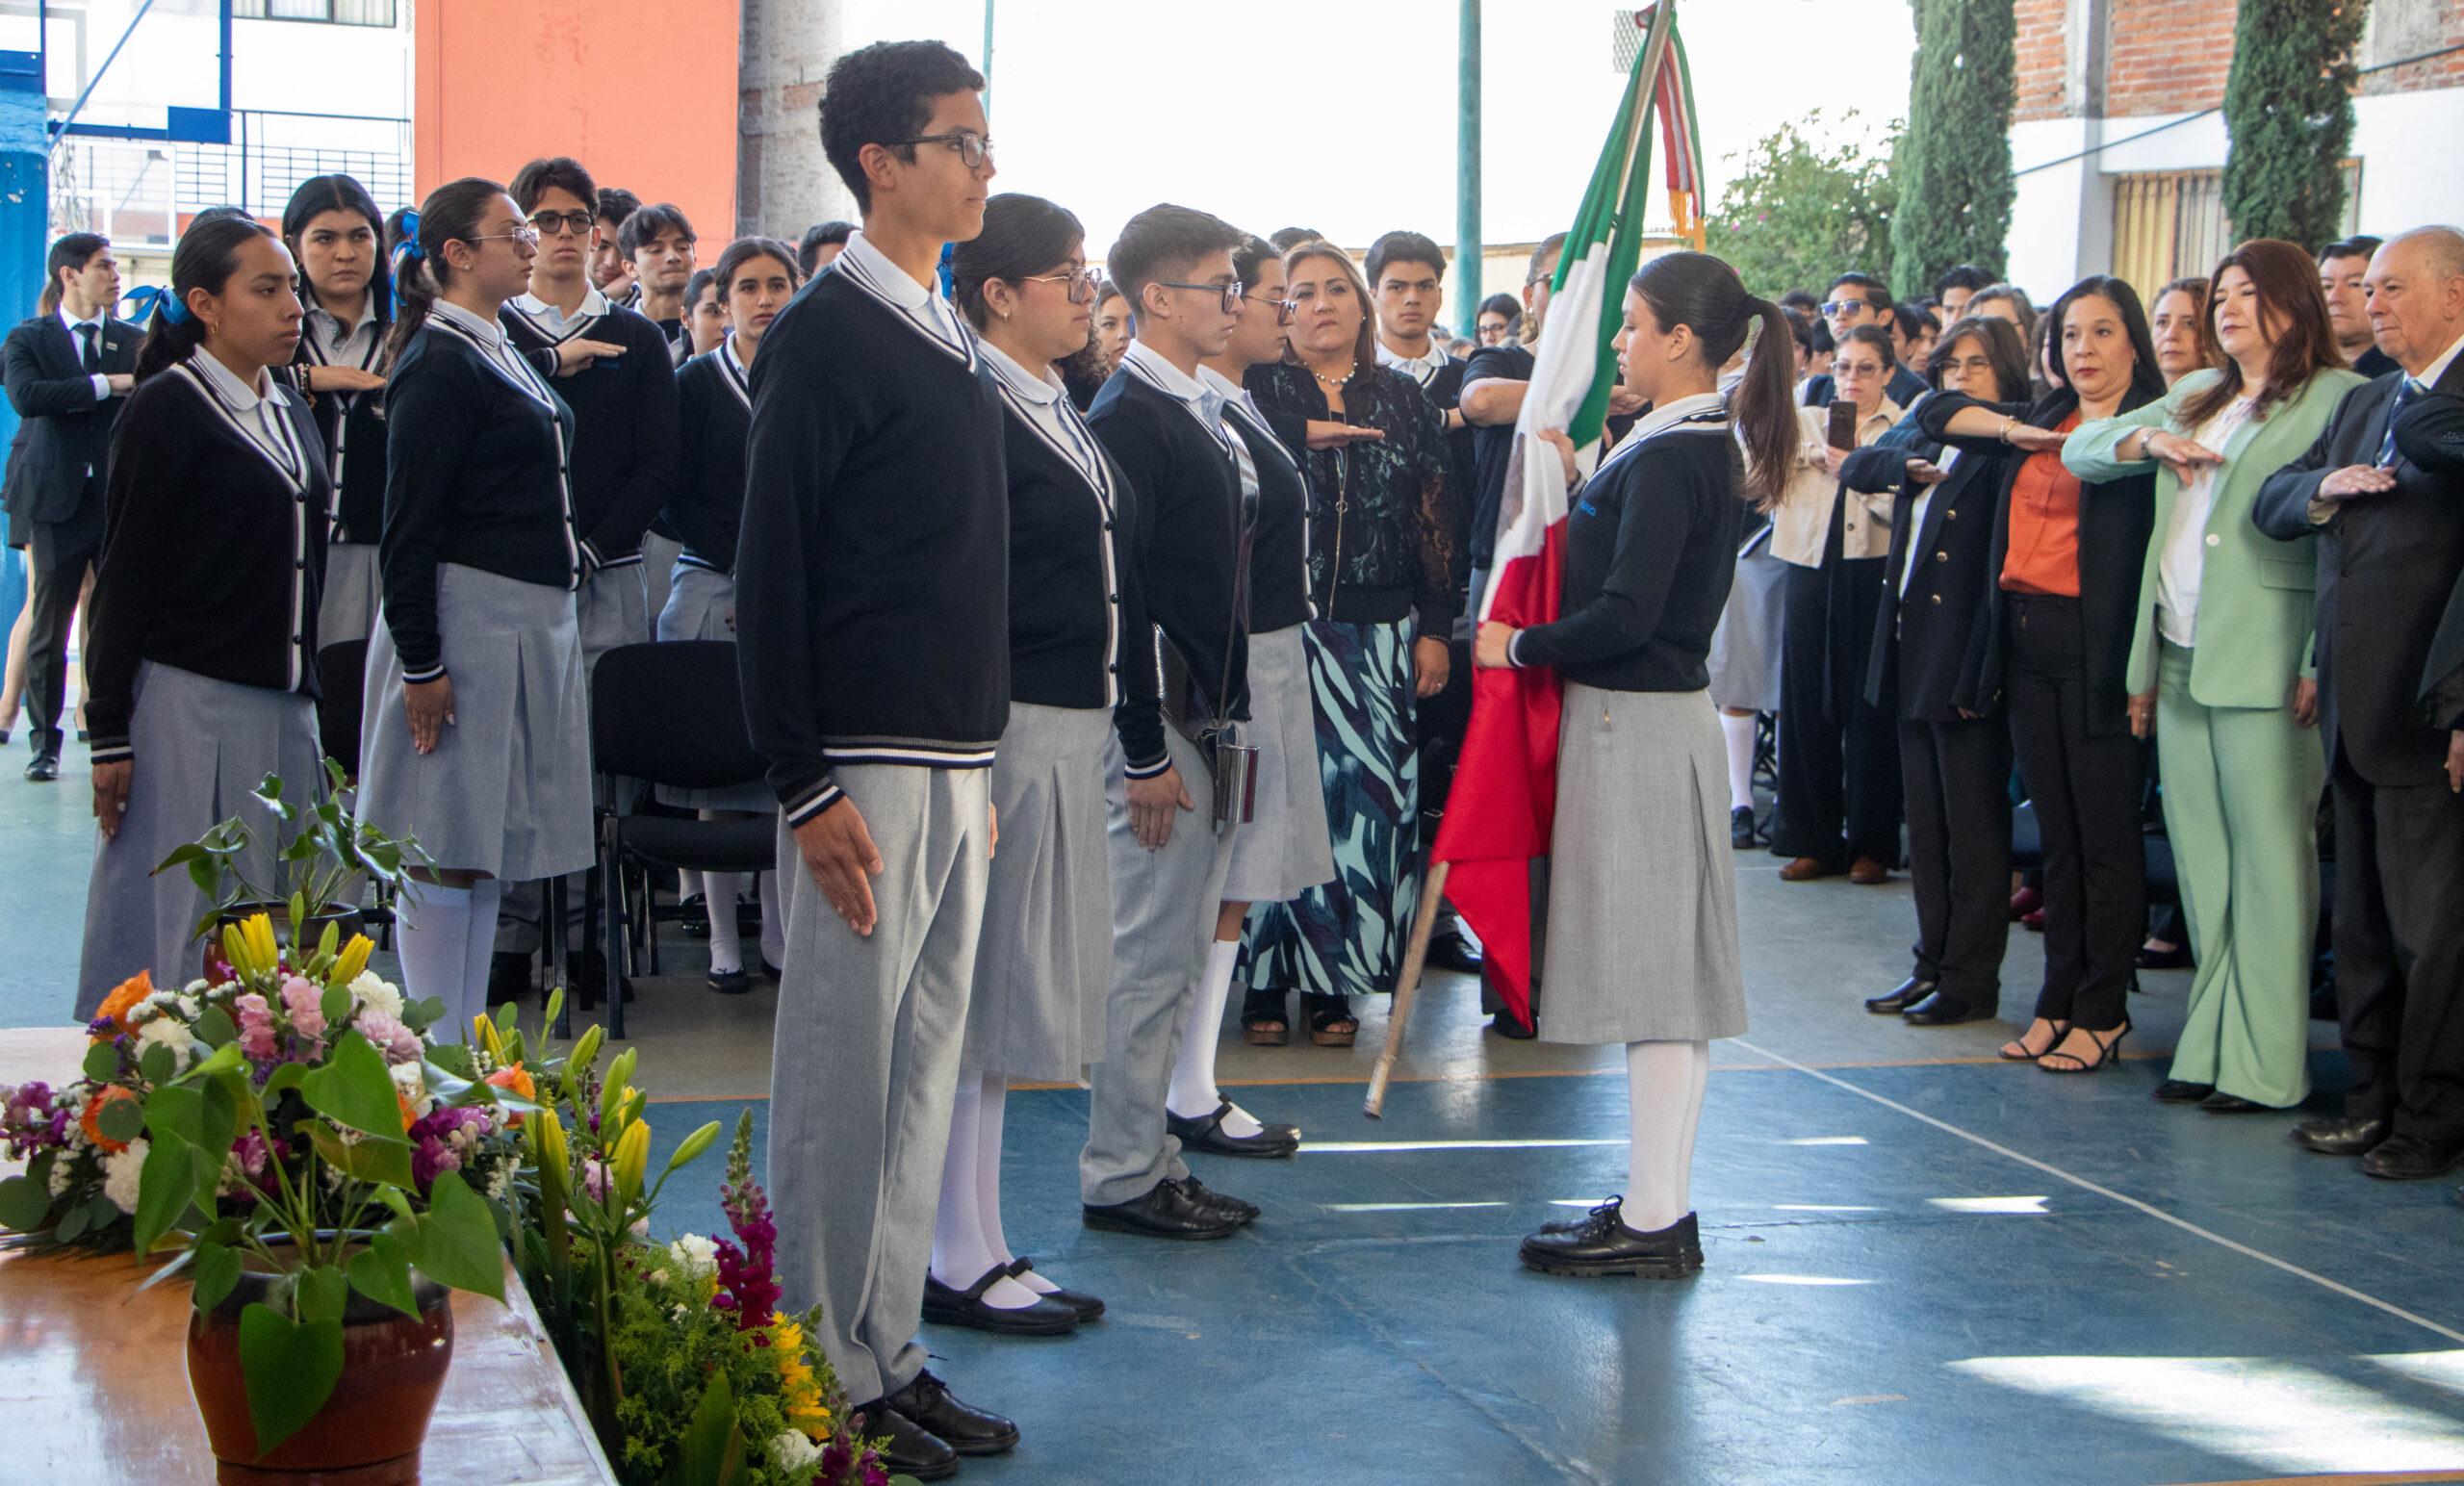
(147,69)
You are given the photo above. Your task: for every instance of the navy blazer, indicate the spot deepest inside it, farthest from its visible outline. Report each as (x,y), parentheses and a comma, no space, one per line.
(68,435)
(1932,645)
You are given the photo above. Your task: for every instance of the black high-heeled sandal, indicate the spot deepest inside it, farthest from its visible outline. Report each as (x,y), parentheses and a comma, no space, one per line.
(2061,1030)
(2106,1052)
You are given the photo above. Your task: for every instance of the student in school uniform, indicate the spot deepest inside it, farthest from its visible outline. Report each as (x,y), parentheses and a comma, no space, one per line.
(203,642)
(475,738)
(610,271)
(658,242)
(715,392)
(337,237)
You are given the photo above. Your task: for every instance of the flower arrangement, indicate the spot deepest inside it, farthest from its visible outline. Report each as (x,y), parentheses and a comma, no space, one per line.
(326,853)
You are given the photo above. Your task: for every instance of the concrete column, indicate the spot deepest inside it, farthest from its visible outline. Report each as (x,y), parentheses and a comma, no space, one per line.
(783,183)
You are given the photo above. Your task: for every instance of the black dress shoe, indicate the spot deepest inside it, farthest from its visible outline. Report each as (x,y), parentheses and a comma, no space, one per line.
(695,919)
(1225,1203)
(2175,1091)
(947,1307)
(1909,992)
(590,977)
(1742,836)
(2350,1136)
(769,972)
(2178,957)
(1088,1307)
(1165,1212)
(2222,1103)
(970,1431)
(2408,1158)
(1207,1135)
(44,767)
(1506,1025)
(1940,1011)
(1449,949)
(1602,1245)
(508,977)
(908,1448)
(730,983)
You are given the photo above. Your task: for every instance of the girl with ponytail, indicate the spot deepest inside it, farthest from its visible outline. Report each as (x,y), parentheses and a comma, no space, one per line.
(335,232)
(1651,548)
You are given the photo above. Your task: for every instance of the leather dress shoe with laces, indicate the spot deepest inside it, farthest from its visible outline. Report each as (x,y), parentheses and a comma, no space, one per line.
(1231,1207)
(1165,1212)
(947,1307)
(2408,1158)
(1602,1245)
(2350,1135)
(43,768)
(1909,992)
(1449,949)
(1207,1135)
(1088,1307)
(968,1431)
(1940,1011)
(908,1448)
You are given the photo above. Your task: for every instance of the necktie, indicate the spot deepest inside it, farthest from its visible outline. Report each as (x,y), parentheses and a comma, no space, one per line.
(94,356)
(2405,394)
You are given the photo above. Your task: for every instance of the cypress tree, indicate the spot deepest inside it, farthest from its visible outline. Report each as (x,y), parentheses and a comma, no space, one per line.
(1955,162)
(2288,106)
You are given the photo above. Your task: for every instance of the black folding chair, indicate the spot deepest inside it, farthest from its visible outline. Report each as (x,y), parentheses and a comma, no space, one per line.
(668,713)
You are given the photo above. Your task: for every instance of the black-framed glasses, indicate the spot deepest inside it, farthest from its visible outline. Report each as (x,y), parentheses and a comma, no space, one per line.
(1283,308)
(548,223)
(973,148)
(1081,283)
(1231,294)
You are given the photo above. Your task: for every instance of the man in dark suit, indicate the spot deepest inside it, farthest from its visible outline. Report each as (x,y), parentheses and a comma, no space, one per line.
(2387,506)
(1861,300)
(2344,273)
(68,371)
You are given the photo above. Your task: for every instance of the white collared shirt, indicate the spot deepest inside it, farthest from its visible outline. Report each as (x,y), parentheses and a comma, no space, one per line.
(2182,563)
(923,304)
(1044,403)
(1421,369)
(102,322)
(1912,556)
(255,411)
(2437,368)
(1203,403)
(493,345)
(555,322)
(337,344)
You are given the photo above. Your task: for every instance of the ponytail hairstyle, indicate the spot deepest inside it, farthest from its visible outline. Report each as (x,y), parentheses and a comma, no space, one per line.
(452,214)
(206,258)
(1023,236)
(322,194)
(1704,294)
(738,253)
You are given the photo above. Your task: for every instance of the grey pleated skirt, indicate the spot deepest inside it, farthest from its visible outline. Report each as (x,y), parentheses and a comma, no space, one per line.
(1642,939)
(507,791)
(353,589)
(201,747)
(659,562)
(698,604)
(1285,850)
(613,608)
(1745,648)
(1043,965)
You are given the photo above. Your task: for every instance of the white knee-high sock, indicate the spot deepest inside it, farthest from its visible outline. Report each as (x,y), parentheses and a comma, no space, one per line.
(487,896)
(1739,734)
(992,1101)
(1664,1102)
(433,944)
(960,1256)
(727,946)
(773,920)
(1194,1094)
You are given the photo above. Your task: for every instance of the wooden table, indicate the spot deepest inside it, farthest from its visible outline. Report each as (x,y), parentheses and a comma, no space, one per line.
(93,1386)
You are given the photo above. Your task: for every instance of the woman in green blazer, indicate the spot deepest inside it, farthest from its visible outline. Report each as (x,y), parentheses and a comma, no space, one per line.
(2219,669)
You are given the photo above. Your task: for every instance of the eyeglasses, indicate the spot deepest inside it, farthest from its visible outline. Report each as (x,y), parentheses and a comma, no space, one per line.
(1231,294)
(1283,308)
(1972,364)
(525,235)
(973,148)
(549,222)
(1856,369)
(1841,308)
(1081,283)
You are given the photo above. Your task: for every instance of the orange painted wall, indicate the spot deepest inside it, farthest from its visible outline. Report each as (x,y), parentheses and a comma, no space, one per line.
(637,92)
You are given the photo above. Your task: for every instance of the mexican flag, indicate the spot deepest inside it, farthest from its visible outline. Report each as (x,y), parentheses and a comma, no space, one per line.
(1505,797)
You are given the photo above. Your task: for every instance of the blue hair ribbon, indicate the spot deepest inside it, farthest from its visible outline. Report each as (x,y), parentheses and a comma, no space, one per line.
(410,247)
(153,299)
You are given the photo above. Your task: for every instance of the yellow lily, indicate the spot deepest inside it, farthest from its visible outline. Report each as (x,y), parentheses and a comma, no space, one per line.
(632,1159)
(352,960)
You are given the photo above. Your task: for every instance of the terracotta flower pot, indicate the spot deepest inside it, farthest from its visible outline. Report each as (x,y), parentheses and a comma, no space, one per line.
(346,921)
(370,1431)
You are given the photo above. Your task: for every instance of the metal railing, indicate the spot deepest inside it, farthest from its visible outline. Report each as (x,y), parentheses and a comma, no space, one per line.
(141,192)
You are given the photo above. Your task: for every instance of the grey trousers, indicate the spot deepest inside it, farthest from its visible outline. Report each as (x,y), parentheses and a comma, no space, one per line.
(864,1068)
(1164,906)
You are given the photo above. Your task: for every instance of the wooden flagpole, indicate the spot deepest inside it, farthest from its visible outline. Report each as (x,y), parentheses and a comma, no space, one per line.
(1397,1016)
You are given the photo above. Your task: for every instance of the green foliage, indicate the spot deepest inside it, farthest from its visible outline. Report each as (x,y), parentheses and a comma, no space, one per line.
(1800,213)
(1954,171)
(2288,105)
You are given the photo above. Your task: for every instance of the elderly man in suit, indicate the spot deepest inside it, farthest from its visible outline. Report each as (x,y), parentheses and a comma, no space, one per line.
(68,371)
(2383,491)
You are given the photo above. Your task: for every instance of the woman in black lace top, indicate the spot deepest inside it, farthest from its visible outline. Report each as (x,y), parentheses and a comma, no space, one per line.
(1384,576)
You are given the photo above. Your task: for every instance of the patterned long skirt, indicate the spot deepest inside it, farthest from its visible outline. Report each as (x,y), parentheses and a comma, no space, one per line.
(1349,935)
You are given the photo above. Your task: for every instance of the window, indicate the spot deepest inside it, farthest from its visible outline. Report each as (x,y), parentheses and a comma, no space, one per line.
(339,12)
(2168,224)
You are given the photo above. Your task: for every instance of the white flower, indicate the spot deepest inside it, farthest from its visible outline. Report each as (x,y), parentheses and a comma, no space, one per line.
(368,990)
(166,1032)
(694,1254)
(412,1084)
(659,1276)
(792,1452)
(60,1176)
(119,1175)
(197,988)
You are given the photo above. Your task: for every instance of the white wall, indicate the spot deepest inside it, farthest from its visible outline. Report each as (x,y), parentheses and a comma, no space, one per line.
(2412,168)
(307,67)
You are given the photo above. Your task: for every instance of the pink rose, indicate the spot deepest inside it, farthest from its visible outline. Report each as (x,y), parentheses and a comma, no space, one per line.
(304,1002)
(256,1028)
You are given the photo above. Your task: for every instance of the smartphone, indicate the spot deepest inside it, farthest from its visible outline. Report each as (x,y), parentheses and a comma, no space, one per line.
(1842,433)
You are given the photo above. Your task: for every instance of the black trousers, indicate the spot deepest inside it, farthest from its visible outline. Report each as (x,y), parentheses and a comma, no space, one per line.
(2085,789)
(1957,777)
(2400,952)
(1838,756)
(56,558)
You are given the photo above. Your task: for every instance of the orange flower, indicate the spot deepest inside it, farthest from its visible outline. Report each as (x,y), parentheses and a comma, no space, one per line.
(92,1121)
(125,998)
(516,1079)
(410,1115)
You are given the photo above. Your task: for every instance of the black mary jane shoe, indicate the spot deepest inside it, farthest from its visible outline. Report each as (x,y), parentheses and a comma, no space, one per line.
(1273,1142)
(947,1307)
(695,918)
(1231,1207)
(1602,1245)
(1742,835)
(730,983)
(2181,1091)
(2350,1135)
(1165,1212)
(906,1447)
(1909,992)
(2222,1103)
(2408,1158)
(962,1427)
(1088,1307)
(1940,1011)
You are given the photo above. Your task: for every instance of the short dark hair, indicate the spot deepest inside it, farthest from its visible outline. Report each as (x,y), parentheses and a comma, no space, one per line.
(555,172)
(1799,328)
(2360,246)
(2003,347)
(817,237)
(1162,242)
(1914,321)
(1802,300)
(1500,304)
(612,205)
(1253,254)
(1877,292)
(639,227)
(1874,336)
(224,213)
(73,251)
(701,279)
(883,94)
(1964,275)
(1403,247)
(1286,238)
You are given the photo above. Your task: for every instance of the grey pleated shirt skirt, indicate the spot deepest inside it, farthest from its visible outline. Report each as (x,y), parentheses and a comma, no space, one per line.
(200,748)
(507,791)
(1642,937)
(1285,850)
(353,589)
(1044,963)
(1745,648)
(698,602)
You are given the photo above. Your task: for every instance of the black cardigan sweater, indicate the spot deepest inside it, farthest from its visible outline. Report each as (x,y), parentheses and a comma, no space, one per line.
(1279,556)
(353,425)
(1931,645)
(474,476)
(625,428)
(872,568)
(216,559)
(1650,551)
(706,507)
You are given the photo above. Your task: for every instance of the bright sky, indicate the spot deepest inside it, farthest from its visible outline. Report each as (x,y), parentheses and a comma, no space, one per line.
(1340,115)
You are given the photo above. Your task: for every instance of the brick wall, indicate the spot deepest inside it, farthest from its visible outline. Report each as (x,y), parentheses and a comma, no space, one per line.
(2167,56)
(2408,27)
(2171,56)
(2043,59)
